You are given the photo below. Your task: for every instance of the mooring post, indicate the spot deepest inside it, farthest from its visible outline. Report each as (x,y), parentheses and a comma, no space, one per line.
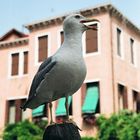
(63,131)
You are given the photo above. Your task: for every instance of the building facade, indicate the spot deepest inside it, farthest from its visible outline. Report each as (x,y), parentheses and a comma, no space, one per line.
(113,71)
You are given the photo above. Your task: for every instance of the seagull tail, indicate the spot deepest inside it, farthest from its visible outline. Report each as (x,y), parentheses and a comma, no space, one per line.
(23,107)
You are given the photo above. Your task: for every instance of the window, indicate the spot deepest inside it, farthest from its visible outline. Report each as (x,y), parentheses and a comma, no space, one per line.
(132,51)
(136,101)
(61,110)
(23,113)
(123,101)
(14,113)
(25,62)
(91,104)
(62,36)
(15,64)
(43,48)
(119,45)
(92,40)
(19,63)
(70,109)
(40,111)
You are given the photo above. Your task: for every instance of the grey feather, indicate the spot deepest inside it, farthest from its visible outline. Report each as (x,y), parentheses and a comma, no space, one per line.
(44,68)
(45,63)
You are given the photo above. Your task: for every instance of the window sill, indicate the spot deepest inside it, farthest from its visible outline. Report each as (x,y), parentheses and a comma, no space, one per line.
(90,119)
(38,63)
(133,65)
(61,119)
(120,57)
(17,76)
(91,54)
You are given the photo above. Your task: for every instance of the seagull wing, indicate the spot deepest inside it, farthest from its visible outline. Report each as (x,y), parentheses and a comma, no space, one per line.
(44,68)
(45,63)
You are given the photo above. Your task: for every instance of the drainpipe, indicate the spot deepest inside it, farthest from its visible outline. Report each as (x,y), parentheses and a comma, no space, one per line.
(112,63)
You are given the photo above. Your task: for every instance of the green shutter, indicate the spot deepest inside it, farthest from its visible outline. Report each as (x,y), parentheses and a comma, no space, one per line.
(91,100)
(39,111)
(61,110)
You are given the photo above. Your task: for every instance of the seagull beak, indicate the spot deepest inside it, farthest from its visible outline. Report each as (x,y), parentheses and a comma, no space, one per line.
(89,23)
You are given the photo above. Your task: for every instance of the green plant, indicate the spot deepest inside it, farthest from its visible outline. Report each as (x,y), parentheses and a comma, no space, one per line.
(88,138)
(124,125)
(41,124)
(22,131)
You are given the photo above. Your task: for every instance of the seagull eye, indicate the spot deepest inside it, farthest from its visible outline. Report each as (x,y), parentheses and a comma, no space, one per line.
(77,17)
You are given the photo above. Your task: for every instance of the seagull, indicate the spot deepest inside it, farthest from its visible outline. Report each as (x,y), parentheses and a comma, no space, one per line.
(62,74)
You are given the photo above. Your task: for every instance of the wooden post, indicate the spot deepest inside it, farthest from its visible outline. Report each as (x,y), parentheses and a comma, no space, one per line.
(63,131)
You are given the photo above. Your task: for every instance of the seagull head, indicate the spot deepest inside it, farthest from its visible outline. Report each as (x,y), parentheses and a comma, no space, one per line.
(78,23)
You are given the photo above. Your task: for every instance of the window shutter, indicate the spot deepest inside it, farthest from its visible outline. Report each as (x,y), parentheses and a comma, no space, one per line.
(132,50)
(43,48)
(25,62)
(7,112)
(61,110)
(92,40)
(92,98)
(15,64)
(123,97)
(138,102)
(125,100)
(18,110)
(39,111)
(119,42)
(62,36)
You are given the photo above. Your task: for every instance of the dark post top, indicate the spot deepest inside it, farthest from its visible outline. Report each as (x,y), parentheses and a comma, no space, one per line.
(64,131)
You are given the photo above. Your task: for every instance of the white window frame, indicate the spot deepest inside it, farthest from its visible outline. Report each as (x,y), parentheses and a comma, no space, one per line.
(17,97)
(121,45)
(59,37)
(91,81)
(37,63)
(20,66)
(99,42)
